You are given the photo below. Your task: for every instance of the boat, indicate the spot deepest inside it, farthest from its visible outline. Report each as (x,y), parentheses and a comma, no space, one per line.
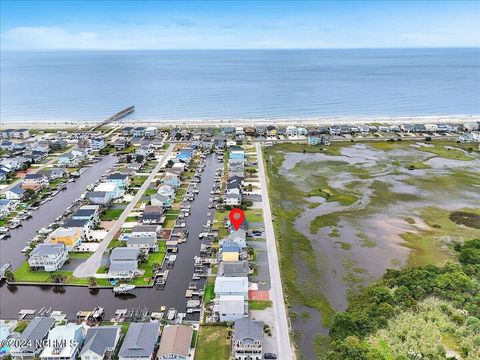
(163,308)
(123,288)
(171,314)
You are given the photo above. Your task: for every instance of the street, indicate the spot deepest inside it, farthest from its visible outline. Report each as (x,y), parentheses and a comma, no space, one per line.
(276,291)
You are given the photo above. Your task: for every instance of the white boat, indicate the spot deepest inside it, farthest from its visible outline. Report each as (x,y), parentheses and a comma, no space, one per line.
(123,288)
(171,314)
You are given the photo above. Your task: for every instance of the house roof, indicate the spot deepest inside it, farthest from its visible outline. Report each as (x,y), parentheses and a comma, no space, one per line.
(122,266)
(117,176)
(17,189)
(99,339)
(230,246)
(140,340)
(153,209)
(246,329)
(33,176)
(97,194)
(231,284)
(37,329)
(47,249)
(150,240)
(233,268)
(84,212)
(231,304)
(123,253)
(75,223)
(175,339)
(144,228)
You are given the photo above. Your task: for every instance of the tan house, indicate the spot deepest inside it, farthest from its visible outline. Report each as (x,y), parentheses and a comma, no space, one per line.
(175,342)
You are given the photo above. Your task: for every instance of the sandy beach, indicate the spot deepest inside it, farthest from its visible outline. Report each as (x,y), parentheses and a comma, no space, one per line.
(320,121)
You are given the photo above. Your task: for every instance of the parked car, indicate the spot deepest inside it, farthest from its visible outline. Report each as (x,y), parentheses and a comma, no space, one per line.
(269,356)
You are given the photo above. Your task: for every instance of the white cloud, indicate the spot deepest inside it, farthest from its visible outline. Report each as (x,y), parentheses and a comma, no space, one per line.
(47,38)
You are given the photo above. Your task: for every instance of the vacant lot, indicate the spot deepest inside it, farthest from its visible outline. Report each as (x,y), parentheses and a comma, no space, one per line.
(213,343)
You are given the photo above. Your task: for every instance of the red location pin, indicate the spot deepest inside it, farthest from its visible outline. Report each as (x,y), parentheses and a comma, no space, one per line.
(237,217)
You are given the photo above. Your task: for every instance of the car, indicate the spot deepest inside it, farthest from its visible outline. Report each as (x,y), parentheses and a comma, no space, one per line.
(269,356)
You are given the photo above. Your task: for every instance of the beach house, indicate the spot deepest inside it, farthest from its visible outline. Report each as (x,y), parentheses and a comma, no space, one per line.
(48,257)
(70,237)
(231,286)
(64,342)
(100,342)
(140,341)
(175,342)
(30,342)
(247,342)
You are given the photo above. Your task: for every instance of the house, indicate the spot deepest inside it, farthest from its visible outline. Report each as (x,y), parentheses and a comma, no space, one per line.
(58,144)
(161,200)
(120,144)
(48,257)
(166,190)
(140,341)
(152,215)
(272,131)
(239,236)
(70,237)
(227,130)
(100,342)
(315,138)
(97,143)
(335,130)
(6,206)
(3,175)
(146,230)
(15,193)
(53,173)
(30,341)
(364,129)
(231,307)
(177,168)
(121,180)
(64,342)
(232,199)
(471,126)
(144,243)
(4,331)
(138,132)
(419,128)
(34,181)
(81,225)
(247,342)
(127,131)
(231,286)
(99,197)
(175,342)
(291,131)
(431,127)
(302,131)
(219,144)
(171,180)
(123,263)
(151,132)
(406,127)
(111,188)
(90,213)
(230,251)
(234,269)
(21,134)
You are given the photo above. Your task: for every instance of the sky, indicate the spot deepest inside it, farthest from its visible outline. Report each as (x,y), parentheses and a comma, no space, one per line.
(133,25)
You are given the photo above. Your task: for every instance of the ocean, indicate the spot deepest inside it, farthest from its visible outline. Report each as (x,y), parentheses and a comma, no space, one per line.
(238,84)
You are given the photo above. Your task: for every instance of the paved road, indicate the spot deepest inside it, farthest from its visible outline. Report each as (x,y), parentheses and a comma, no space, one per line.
(90,267)
(276,291)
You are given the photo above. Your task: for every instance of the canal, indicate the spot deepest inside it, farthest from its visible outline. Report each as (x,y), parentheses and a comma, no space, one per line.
(72,299)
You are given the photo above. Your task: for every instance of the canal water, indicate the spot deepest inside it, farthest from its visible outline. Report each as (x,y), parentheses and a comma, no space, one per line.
(72,299)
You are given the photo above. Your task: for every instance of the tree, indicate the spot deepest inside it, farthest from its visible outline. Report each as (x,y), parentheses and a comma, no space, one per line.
(178,136)
(92,281)
(9,275)
(58,277)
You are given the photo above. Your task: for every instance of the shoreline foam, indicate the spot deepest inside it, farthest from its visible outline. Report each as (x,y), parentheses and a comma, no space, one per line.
(252,121)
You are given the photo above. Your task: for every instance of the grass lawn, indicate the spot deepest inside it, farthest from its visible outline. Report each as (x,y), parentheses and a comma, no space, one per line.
(24,274)
(138,181)
(111,214)
(179,194)
(153,257)
(80,255)
(259,304)
(116,243)
(150,191)
(168,224)
(254,215)
(209,293)
(213,343)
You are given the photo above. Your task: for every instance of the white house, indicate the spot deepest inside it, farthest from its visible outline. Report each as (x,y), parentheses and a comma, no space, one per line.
(231,286)
(30,341)
(64,342)
(15,193)
(231,307)
(48,257)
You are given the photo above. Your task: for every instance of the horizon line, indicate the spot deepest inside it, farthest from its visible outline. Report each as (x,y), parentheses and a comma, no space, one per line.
(248,49)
